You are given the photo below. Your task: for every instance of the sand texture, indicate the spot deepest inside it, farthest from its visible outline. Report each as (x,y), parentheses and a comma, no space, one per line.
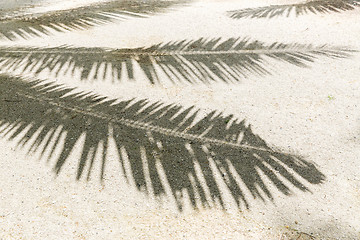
(179,120)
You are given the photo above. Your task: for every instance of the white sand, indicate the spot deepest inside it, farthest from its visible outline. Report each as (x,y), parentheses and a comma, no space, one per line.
(310,111)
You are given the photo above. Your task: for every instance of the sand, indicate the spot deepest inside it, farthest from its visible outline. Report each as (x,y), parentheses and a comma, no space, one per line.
(310,111)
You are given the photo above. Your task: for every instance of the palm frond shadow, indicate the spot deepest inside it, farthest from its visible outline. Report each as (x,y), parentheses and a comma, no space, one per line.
(194,61)
(162,144)
(34,25)
(315,7)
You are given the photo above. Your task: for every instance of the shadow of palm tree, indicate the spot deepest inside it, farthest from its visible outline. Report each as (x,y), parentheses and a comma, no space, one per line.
(315,7)
(33,25)
(200,60)
(160,146)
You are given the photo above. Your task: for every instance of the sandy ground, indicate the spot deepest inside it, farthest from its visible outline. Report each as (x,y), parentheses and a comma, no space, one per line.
(309,111)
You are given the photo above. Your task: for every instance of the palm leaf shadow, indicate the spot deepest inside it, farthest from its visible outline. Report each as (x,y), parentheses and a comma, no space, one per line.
(152,138)
(315,7)
(33,25)
(199,60)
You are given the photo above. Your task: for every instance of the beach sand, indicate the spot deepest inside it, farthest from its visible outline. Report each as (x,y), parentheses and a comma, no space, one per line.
(312,112)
